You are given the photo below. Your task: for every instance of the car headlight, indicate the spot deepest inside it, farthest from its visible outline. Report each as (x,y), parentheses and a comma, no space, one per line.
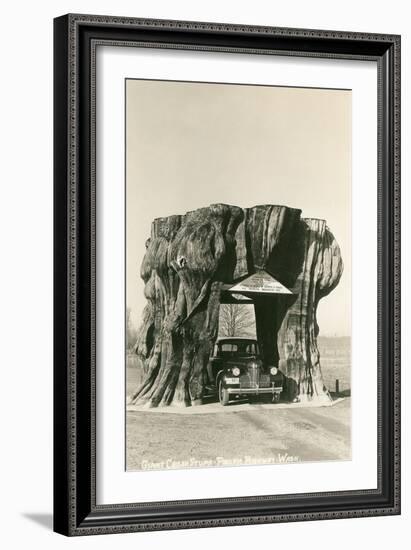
(236,371)
(273,370)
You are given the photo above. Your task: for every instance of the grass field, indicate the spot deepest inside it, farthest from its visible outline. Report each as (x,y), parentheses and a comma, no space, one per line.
(335,358)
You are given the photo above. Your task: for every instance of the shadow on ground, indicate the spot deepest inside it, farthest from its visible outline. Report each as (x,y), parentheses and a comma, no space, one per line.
(45,520)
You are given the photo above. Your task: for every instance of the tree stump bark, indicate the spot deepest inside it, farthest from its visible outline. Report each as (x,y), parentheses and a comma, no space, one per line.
(188,259)
(320,273)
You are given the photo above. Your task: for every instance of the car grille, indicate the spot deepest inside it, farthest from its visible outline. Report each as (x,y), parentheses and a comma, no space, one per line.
(245,381)
(254,373)
(254,379)
(265,381)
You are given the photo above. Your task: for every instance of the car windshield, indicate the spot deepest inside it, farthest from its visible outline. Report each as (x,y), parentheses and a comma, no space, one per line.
(238,348)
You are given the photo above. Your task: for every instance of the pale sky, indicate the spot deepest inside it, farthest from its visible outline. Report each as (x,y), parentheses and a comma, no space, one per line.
(189,145)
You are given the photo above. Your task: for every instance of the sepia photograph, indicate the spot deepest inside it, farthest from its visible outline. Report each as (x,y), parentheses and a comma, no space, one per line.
(238,274)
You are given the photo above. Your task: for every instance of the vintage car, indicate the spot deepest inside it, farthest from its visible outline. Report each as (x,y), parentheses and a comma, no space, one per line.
(236,369)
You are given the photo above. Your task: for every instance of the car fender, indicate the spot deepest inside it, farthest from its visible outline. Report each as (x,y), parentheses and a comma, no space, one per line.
(220,375)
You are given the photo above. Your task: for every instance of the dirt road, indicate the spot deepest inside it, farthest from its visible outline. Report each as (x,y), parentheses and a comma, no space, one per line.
(240,436)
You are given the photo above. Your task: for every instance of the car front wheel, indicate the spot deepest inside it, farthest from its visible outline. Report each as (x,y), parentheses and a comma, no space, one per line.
(223,394)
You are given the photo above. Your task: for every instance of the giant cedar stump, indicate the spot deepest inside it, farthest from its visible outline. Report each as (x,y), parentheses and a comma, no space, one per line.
(190,257)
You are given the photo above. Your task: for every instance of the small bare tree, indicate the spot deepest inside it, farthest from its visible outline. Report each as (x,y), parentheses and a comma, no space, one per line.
(236,320)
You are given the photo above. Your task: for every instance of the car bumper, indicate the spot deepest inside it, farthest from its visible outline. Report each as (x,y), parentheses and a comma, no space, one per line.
(257,391)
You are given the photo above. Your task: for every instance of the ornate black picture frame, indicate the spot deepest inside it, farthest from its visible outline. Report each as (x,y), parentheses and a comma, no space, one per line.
(76,38)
